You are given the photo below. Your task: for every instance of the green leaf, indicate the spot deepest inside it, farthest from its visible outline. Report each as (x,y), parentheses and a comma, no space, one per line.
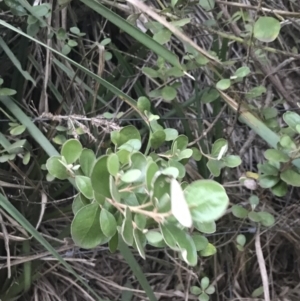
(131,176)
(179,206)
(254,216)
(108,223)
(287,143)
(276,155)
(71,150)
(268,169)
(204,283)
(84,185)
(207,4)
(113,243)
(131,145)
(280,189)
(18,130)
(254,200)
(168,93)
(140,221)
(174,71)
(127,228)
(75,30)
(59,139)
(232,161)
(138,239)
(157,139)
(72,43)
(150,72)
(113,164)
(163,36)
(154,237)
(79,202)
(266,219)
(223,84)
(219,148)
(215,167)
(207,200)
(66,49)
(56,169)
(269,113)
(7,92)
(258,292)
(266,29)
(195,290)
(290,177)
(181,23)
(61,34)
(210,290)
(185,244)
(105,42)
(242,72)
(171,134)
(26,158)
(207,228)
(267,181)
(41,10)
(196,154)
(200,241)
(239,211)
(144,104)
(151,170)
(100,177)
(241,240)
(292,119)
(203,297)
(256,92)
(209,95)
(87,160)
(208,251)
(85,227)
(127,133)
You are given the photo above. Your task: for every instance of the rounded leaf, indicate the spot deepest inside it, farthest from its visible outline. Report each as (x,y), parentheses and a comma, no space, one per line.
(241,239)
(207,228)
(168,93)
(290,177)
(266,29)
(239,211)
(56,168)
(131,176)
(268,181)
(85,227)
(179,206)
(143,104)
(157,139)
(207,200)
(200,241)
(100,177)
(84,185)
(113,164)
(242,72)
(18,130)
(87,160)
(266,219)
(71,150)
(108,223)
(276,155)
(204,283)
(208,251)
(223,84)
(171,134)
(195,290)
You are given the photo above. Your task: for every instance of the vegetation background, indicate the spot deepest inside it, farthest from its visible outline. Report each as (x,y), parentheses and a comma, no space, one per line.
(214,71)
